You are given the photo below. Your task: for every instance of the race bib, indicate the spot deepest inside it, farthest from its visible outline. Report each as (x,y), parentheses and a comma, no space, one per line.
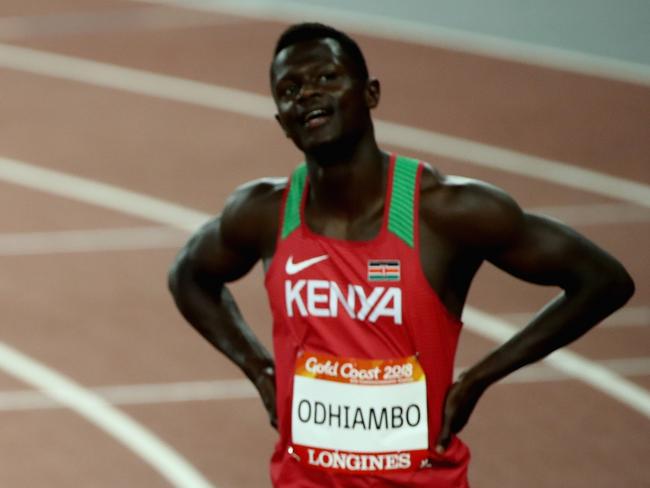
(359,415)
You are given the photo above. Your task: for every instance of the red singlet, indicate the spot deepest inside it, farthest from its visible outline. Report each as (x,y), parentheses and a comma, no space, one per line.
(364,351)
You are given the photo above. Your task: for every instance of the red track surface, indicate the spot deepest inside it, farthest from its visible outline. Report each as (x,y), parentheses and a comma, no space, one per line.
(105,318)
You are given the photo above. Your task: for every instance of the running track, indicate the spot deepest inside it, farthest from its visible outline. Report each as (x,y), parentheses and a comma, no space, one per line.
(104,170)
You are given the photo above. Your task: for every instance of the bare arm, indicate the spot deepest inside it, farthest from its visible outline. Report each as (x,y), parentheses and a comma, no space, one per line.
(594,285)
(223,250)
(542,251)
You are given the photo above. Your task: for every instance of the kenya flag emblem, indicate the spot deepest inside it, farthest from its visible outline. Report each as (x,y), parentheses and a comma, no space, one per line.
(384,270)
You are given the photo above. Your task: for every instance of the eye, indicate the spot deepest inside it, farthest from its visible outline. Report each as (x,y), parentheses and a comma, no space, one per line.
(328,76)
(289,91)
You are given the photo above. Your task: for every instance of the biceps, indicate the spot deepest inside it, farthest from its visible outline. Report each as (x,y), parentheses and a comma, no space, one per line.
(547,252)
(210,260)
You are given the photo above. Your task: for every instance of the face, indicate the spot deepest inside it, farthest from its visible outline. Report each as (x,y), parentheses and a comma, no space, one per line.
(320,97)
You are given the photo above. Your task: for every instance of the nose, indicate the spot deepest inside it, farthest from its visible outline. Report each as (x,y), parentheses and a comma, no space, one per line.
(308,89)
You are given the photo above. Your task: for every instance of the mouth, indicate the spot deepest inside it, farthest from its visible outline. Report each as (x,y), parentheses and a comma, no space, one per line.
(316,118)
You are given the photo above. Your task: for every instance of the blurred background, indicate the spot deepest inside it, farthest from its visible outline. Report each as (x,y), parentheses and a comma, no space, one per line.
(126,124)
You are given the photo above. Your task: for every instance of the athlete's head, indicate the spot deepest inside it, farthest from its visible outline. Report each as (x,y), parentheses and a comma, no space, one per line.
(314,31)
(321,87)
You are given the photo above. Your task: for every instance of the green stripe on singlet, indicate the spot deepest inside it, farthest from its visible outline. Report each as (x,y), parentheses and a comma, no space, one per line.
(291,219)
(402,201)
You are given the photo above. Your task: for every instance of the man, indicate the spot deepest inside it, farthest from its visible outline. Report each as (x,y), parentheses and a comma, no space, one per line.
(368,259)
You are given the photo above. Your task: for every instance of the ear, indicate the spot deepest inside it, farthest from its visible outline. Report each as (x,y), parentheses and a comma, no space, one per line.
(372,92)
(279,120)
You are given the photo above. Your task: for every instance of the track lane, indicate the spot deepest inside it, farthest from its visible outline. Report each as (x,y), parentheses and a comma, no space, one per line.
(253,105)
(117,173)
(160,211)
(444,95)
(161,457)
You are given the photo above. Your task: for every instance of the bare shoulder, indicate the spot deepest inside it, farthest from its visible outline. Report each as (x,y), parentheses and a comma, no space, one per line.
(251,214)
(247,225)
(252,202)
(470,211)
(227,246)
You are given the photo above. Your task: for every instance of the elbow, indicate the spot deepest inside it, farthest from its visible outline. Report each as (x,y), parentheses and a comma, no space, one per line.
(619,284)
(622,285)
(181,286)
(610,287)
(174,277)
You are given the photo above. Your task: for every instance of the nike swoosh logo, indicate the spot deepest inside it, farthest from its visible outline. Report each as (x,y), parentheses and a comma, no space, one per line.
(293,268)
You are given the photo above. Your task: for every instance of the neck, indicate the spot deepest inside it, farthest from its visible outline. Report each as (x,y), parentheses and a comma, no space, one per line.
(347,181)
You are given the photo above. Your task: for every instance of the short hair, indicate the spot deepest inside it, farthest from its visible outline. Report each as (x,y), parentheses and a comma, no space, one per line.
(312,31)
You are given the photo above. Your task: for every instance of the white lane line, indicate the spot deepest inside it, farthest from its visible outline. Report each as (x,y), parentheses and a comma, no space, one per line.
(258,106)
(240,389)
(477,321)
(595,213)
(540,373)
(136,81)
(139,238)
(493,157)
(566,361)
(134,436)
(100,194)
(379,26)
(90,240)
(102,22)
(233,389)
(626,317)
(140,394)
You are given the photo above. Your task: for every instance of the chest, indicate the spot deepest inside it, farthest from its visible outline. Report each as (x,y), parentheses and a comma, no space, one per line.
(362,227)
(345,296)
(442,261)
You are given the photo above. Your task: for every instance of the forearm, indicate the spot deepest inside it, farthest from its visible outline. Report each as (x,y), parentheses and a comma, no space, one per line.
(215,315)
(560,322)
